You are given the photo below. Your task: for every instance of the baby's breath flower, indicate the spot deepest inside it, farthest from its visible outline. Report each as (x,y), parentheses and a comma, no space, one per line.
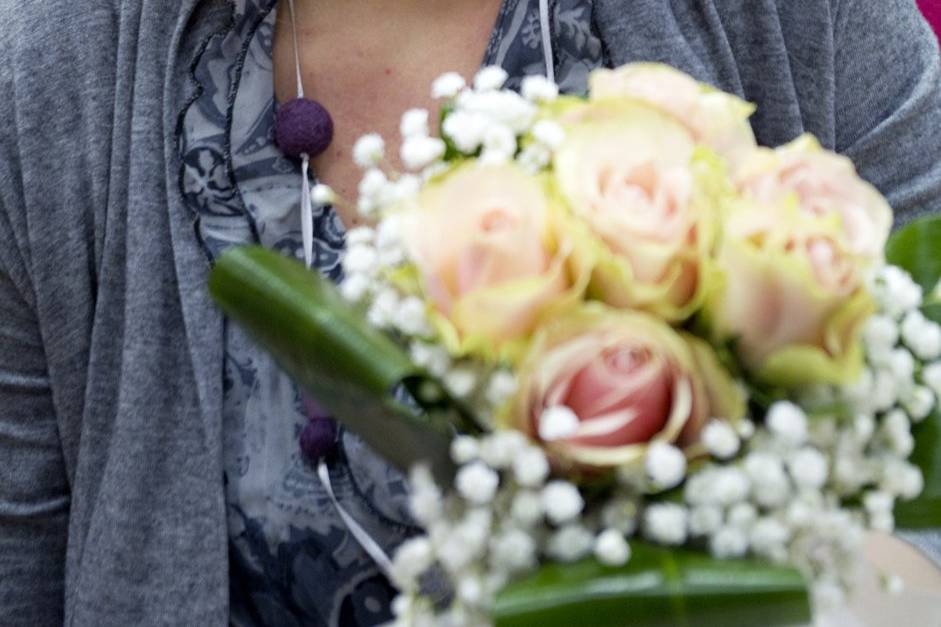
(512,551)
(746,429)
(406,186)
(410,317)
(864,425)
(897,433)
(368,150)
(499,144)
(881,333)
(704,520)
(570,543)
(770,484)
(931,376)
(355,287)
(729,542)
(433,358)
(490,78)
(808,467)
(743,515)
(419,151)
(902,366)
(562,502)
(665,523)
(470,589)
(360,259)
(902,479)
(322,195)
(883,522)
(465,129)
(549,133)
(534,158)
(611,548)
(414,123)
(729,485)
(464,449)
(557,423)
(502,386)
(538,88)
(665,465)
(883,391)
(768,536)
(530,467)
(373,189)
(425,499)
(527,508)
(460,382)
(477,483)
(720,439)
(360,236)
(383,308)
(877,501)
(919,403)
(447,85)
(412,558)
(500,448)
(788,423)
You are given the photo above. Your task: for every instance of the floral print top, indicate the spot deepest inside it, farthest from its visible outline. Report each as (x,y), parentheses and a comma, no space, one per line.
(292,561)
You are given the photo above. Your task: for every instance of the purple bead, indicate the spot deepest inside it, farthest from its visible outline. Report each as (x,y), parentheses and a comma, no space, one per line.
(303,126)
(318,439)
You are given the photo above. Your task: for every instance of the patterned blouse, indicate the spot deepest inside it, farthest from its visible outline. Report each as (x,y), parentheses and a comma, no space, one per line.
(292,561)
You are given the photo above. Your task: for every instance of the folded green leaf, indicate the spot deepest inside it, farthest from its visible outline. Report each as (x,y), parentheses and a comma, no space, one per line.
(925,511)
(349,367)
(917,249)
(657,588)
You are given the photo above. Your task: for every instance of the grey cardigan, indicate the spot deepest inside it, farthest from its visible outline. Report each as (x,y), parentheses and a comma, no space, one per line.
(111,496)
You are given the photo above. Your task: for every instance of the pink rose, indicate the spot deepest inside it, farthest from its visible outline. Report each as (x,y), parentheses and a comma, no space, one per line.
(822,185)
(794,255)
(715,118)
(647,197)
(628,378)
(486,247)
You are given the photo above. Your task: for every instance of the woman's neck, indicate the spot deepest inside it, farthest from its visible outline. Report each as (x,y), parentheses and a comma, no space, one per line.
(368,61)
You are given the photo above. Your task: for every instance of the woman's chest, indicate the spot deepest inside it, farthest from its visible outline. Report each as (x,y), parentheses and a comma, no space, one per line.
(367,72)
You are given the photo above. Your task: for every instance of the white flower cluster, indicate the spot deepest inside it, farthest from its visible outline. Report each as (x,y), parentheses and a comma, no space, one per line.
(504,516)
(487,119)
(800,486)
(781,491)
(483,118)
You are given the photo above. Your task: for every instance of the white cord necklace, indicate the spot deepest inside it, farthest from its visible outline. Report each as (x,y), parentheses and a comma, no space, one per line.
(304,129)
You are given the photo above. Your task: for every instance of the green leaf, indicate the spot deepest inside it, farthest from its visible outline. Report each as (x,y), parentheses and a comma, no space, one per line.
(925,511)
(658,588)
(348,366)
(917,249)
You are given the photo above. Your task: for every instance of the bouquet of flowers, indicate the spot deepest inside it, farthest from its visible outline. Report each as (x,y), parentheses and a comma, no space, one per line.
(639,367)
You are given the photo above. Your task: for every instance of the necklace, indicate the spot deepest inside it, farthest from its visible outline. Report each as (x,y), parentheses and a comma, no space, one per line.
(304,129)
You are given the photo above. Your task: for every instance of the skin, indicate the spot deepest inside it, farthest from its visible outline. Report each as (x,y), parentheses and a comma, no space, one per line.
(368,62)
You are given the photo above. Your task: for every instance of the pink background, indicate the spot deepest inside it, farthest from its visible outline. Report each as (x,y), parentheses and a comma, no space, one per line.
(932,11)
